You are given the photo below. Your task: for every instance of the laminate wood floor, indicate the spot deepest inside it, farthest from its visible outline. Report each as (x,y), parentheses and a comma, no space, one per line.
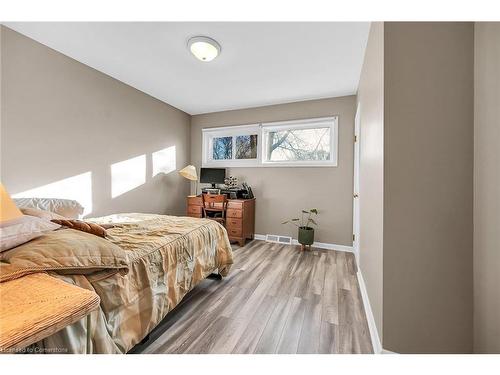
(276,299)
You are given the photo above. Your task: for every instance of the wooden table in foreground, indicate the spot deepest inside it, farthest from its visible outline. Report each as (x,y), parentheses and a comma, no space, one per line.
(35,306)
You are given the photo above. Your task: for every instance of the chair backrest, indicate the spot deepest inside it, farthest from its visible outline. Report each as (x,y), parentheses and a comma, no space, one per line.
(214,201)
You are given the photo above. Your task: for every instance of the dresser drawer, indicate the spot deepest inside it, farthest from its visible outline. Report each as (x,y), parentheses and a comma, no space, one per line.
(194,215)
(235,205)
(233,223)
(194,201)
(194,209)
(234,213)
(234,232)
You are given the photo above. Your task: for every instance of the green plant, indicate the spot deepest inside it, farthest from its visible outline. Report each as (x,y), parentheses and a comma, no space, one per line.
(304,221)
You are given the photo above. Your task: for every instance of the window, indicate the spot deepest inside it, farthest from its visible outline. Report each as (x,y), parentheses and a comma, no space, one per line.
(231,146)
(303,142)
(311,142)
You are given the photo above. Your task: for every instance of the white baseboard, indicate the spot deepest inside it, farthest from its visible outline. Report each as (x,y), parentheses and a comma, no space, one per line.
(384,351)
(376,343)
(260,237)
(319,245)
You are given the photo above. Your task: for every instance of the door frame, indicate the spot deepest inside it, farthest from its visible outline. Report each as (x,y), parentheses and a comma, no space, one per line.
(356,184)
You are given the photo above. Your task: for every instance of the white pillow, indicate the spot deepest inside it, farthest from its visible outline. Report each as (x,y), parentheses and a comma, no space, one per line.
(23,230)
(64,207)
(42,214)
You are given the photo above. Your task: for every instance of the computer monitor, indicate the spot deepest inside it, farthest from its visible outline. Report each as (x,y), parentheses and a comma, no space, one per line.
(212,176)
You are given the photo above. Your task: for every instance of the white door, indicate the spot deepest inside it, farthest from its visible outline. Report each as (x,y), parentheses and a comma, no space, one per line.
(355,208)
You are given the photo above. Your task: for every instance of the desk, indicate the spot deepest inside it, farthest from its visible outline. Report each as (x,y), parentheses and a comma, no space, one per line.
(35,306)
(240,217)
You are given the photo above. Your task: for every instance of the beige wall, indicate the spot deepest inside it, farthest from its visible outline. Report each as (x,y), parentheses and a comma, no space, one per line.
(428,174)
(61,118)
(371,196)
(282,192)
(487,188)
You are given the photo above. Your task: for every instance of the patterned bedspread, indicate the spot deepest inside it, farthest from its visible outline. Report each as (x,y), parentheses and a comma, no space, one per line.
(141,271)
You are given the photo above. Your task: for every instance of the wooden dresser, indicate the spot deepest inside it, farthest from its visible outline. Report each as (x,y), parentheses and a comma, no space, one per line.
(240,217)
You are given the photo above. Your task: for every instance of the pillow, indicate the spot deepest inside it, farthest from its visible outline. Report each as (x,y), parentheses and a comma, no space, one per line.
(64,207)
(8,209)
(27,228)
(83,226)
(41,214)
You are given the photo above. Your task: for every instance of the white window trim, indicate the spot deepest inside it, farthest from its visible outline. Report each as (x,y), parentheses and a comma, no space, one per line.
(331,122)
(229,131)
(226,131)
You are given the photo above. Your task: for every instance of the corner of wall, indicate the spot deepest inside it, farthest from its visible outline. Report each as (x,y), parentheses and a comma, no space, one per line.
(371,100)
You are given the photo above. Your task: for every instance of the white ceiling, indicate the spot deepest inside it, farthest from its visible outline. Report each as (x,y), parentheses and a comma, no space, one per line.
(260,64)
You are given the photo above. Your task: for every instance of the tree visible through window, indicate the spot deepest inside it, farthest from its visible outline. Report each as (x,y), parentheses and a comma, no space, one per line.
(222,148)
(246,146)
(299,144)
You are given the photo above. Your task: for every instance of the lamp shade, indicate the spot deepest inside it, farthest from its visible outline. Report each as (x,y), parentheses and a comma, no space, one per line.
(189,172)
(8,209)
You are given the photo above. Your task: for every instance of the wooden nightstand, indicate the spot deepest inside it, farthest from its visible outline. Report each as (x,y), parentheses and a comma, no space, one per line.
(35,306)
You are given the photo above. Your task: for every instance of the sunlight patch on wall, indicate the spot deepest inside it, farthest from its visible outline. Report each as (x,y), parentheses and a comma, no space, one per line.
(78,188)
(164,161)
(127,175)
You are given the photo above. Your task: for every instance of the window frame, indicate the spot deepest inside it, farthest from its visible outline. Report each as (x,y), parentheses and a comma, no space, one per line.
(229,131)
(312,123)
(261,129)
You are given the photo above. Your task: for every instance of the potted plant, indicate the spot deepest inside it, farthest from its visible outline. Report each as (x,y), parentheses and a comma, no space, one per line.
(306,231)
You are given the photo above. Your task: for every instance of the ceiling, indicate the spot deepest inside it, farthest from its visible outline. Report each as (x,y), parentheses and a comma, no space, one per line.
(260,63)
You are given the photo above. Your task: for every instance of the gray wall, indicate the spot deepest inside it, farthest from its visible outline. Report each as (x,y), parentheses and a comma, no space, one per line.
(371,172)
(282,192)
(487,188)
(428,192)
(61,118)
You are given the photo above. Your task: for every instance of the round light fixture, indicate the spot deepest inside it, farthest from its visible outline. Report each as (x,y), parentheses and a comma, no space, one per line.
(204,48)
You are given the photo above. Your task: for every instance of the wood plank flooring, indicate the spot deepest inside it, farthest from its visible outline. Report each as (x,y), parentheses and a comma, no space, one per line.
(276,299)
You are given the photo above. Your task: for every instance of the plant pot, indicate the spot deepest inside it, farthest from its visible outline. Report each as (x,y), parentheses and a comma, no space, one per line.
(306,235)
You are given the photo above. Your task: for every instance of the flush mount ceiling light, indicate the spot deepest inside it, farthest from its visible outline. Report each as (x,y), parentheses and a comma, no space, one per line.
(204,48)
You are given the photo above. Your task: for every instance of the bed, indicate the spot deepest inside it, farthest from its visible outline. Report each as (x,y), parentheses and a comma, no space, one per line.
(142,269)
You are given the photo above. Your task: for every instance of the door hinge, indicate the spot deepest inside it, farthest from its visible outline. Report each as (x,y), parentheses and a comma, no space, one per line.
(355,138)
(353,237)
